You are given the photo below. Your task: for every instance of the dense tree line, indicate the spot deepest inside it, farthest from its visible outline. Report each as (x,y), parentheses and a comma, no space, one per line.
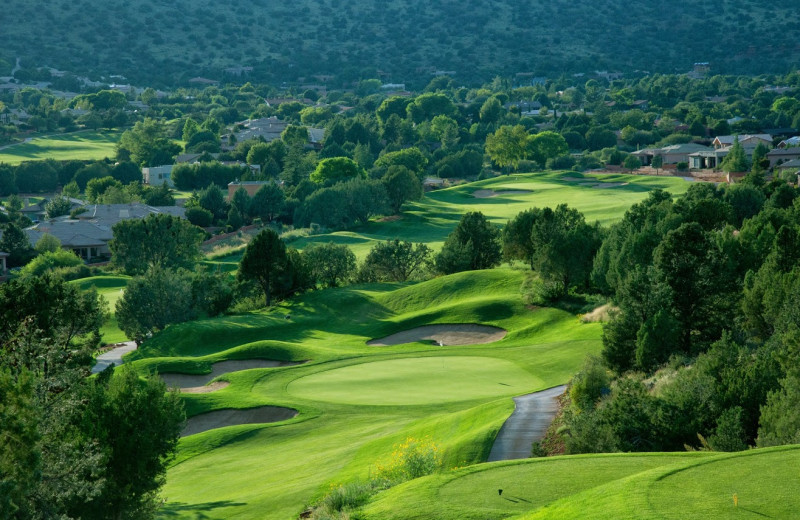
(701,347)
(74,446)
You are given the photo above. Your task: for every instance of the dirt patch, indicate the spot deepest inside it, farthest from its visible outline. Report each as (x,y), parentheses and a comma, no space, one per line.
(487,194)
(391,218)
(231,417)
(600,314)
(184,381)
(207,389)
(453,334)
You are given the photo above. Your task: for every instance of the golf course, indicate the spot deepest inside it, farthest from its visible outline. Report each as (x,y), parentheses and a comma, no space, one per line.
(288,403)
(83,145)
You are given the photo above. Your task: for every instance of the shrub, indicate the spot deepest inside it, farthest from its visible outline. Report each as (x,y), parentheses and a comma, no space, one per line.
(49,261)
(413,458)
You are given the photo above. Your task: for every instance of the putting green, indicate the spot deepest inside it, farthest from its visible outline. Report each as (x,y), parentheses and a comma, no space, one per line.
(415,381)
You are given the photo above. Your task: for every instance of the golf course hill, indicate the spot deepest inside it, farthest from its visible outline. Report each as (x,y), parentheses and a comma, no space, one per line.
(690,485)
(345,404)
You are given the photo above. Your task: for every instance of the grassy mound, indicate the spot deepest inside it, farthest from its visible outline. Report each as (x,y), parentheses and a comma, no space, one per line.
(355,402)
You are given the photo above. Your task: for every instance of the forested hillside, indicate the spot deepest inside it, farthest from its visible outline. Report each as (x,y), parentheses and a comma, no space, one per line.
(158,41)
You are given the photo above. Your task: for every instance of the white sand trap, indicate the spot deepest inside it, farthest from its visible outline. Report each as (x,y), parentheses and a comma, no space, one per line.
(207,389)
(231,417)
(487,194)
(185,381)
(453,334)
(605,185)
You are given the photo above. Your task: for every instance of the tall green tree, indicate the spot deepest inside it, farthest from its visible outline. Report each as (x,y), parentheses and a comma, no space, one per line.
(264,262)
(330,264)
(473,244)
(508,146)
(736,160)
(395,261)
(160,240)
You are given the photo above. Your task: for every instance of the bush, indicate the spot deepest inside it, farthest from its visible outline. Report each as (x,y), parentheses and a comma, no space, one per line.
(682,166)
(199,217)
(413,458)
(49,261)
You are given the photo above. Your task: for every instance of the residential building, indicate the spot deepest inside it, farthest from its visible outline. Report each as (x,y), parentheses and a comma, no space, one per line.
(270,128)
(673,154)
(251,187)
(782,155)
(747,140)
(89,233)
(789,143)
(158,175)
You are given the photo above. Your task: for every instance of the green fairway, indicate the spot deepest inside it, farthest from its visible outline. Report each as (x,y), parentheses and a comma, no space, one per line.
(604,198)
(472,493)
(83,146)
(424,380)
(356,402)
(111,288)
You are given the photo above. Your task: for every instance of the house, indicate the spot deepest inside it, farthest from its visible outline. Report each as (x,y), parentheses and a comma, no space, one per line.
(782,155)
(792,166)
(268,128)
(251,187)
(316,136)
(748,140)
(158,175)
(34,212)
(89,233)
(673,154)
(84,238)
(788,143)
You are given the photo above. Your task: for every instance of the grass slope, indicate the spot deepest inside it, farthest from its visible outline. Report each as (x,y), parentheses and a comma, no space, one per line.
(82,146)
(111,288)
(271,471)
(765,482)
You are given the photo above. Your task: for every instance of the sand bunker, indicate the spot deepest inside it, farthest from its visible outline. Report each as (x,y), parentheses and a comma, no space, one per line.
(453,334)
(605,185)
(599,315)
(187,382)
(486,194)
(207,389)
(231,417)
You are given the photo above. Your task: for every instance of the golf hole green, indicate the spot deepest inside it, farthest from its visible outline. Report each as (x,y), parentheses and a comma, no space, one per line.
(416,381)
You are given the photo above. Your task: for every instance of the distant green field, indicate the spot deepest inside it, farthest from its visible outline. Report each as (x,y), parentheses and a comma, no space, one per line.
(88,145)
(603,198)
(356,401)
(111,288)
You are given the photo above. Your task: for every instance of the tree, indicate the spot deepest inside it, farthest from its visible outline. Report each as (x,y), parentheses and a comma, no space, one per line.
(598,138)
(95,188)
(563,247)
(268,202)
(49,261)
(160,240)
(473,244)
(412,158)
(48,243)
(336,169)
(212,199)
(736,160)
(546,145)
(631,163)
(427,106)
(507,146)
(657,162)
(199,217)
(142,422)
(146,145)
(264,261)
(401,185)
(15,242)
(294,135)
(56,207)
(330,264)
(395,261)
(491,110)
(516,236)
(153,301)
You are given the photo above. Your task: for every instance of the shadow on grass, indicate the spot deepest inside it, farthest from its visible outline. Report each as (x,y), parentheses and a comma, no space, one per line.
(195,511)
